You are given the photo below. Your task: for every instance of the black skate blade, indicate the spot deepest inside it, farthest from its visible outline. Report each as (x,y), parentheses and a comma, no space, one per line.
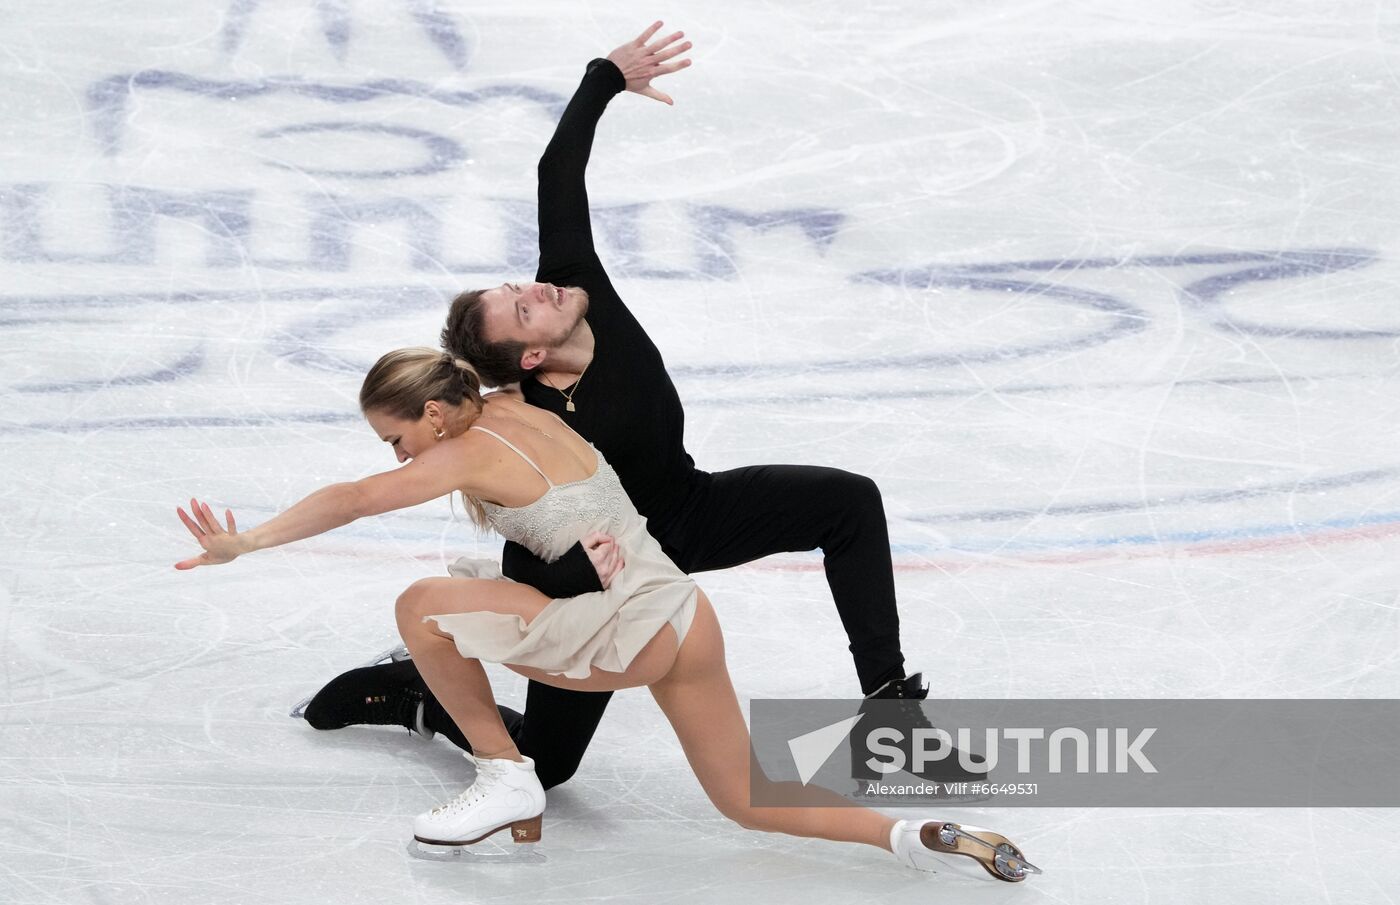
(393,653)
(483,852)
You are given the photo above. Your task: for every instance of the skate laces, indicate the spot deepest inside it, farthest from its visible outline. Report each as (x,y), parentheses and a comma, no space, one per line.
(406,706)
(908,690)
(905,697)
(488,775)
(398,707)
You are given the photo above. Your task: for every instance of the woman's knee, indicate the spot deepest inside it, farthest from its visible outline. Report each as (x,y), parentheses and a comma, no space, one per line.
(420,599)
(738,809)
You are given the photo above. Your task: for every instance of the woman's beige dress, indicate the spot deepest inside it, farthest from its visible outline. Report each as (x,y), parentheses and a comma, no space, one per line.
(574,635)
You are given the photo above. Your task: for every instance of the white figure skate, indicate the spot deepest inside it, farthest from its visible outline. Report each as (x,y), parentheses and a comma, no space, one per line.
(506,794)
(925,844)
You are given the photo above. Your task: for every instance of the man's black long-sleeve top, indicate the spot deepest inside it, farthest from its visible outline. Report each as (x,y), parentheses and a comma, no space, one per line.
(625,403)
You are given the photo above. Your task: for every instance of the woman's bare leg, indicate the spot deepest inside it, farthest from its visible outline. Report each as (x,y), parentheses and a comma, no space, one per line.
(698,698)
(460,684)
(695,693)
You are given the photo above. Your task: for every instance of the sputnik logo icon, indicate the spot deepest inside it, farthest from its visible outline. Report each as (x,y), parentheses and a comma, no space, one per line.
(811,750)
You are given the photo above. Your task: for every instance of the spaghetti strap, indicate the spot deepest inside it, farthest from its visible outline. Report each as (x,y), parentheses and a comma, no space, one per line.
(515,449)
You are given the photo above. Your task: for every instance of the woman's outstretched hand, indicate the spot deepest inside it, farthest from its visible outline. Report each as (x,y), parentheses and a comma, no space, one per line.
(605,555)
(641,62)
(221,544)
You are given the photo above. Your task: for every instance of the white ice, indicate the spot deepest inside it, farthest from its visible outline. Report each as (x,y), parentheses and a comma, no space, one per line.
(1103,295)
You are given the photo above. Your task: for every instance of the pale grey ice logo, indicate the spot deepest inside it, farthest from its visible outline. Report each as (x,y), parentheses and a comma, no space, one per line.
(337,23)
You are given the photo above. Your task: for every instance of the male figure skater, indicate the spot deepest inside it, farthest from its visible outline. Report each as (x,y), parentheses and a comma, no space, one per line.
(574,349)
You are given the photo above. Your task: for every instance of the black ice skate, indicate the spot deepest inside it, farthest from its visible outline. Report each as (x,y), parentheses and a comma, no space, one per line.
(393,653)
(384,694)
(955,777)
(388,691)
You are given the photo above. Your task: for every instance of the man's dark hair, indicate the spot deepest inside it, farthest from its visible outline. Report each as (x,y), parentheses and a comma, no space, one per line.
(464,336)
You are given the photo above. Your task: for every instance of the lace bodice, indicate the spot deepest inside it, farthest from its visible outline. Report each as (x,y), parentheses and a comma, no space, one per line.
(556,521)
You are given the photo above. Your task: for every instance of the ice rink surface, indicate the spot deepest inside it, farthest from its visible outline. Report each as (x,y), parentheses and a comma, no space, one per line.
(1103,295)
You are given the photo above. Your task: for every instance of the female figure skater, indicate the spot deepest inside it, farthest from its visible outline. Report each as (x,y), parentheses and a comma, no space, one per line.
(540,484)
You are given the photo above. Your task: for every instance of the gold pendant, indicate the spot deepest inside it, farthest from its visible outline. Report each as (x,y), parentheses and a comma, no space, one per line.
(569,405)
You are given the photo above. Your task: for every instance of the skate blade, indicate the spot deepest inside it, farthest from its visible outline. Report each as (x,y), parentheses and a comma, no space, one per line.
(992,851)
(393,653)
(484,852)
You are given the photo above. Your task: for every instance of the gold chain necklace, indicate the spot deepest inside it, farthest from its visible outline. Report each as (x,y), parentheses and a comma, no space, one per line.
(569,396)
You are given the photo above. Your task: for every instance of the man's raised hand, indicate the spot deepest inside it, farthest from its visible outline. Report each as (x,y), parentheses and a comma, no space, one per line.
(641,61)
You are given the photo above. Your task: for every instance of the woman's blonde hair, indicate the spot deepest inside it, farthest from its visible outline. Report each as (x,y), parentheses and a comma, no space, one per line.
(404,381)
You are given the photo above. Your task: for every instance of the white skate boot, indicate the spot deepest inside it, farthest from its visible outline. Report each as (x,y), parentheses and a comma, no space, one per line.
(506,794)
(924,845)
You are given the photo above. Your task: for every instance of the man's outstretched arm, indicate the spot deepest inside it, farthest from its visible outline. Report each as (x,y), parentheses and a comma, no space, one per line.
(566,235)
